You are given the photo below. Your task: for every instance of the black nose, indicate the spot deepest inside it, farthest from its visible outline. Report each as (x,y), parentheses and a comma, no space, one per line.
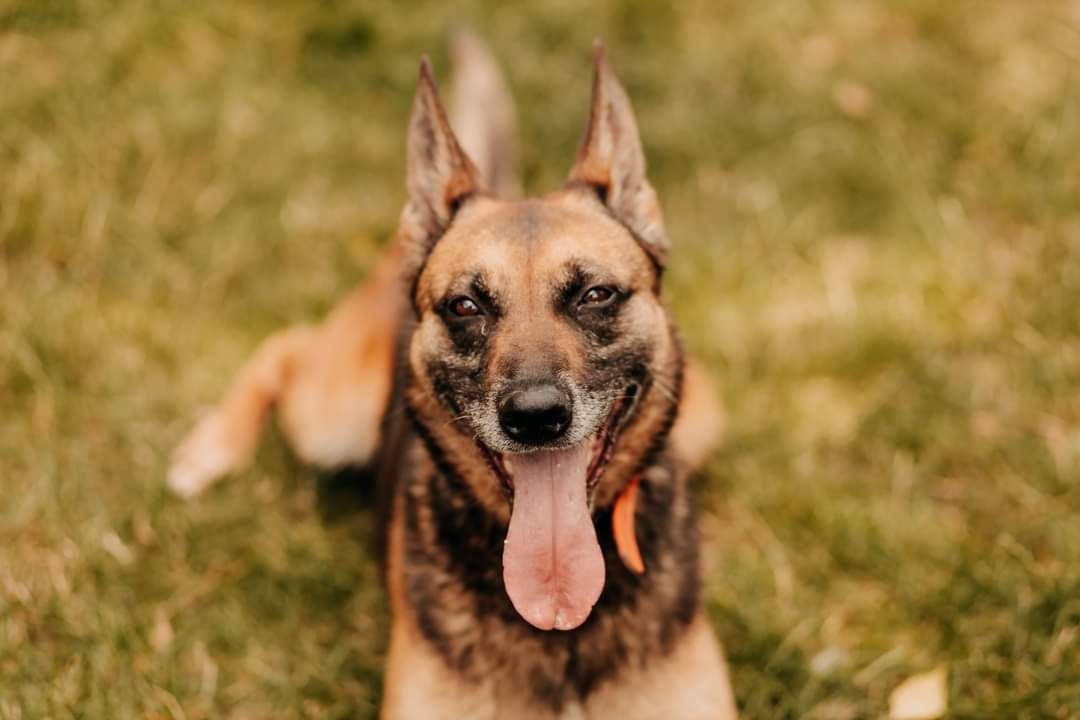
(535,415)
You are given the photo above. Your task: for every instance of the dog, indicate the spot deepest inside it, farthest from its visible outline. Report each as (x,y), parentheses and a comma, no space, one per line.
(511,371)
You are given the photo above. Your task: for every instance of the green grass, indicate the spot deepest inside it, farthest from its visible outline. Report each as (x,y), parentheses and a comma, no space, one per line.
(876,208)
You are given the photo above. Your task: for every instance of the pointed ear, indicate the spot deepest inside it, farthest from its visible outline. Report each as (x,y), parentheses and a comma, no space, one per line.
(439,175)
(611,162)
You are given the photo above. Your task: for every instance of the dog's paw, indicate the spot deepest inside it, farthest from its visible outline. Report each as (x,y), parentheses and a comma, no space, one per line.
(202,458)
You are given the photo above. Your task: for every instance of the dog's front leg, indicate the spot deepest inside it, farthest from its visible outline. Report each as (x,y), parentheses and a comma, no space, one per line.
(224,440)
(329,384)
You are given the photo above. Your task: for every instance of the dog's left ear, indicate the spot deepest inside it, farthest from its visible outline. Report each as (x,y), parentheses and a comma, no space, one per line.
(611,162)
(439,175)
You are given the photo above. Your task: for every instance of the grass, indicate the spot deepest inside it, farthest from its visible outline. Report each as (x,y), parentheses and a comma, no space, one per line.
(878,251)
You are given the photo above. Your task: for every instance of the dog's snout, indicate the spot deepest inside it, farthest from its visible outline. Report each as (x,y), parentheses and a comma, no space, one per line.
(535,415)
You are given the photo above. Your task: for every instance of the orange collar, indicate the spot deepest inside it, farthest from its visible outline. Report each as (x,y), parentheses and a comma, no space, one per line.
(622,526)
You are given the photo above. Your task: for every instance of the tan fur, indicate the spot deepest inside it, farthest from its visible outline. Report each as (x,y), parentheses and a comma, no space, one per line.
(684,685)
(331,383)
(418,686)
(700,422)
(611,158)
(523,245)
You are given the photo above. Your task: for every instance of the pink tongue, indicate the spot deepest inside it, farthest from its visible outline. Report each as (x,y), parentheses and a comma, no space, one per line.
(552,564)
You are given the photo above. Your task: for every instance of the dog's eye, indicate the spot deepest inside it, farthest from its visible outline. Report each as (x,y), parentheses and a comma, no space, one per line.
(598,296)
(465,307)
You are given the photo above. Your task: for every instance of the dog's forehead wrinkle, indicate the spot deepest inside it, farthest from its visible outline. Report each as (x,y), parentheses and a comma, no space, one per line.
(524,246)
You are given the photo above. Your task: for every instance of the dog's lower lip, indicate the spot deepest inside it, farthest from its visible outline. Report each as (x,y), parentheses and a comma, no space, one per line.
(609,433)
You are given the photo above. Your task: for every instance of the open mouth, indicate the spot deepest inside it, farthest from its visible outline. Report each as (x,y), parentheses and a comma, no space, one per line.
(601,446)
(553,568)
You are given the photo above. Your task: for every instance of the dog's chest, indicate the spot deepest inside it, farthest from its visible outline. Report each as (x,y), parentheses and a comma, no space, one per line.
(453,584)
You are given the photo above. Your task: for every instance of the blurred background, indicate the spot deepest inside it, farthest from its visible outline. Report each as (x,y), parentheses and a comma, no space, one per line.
(876,214)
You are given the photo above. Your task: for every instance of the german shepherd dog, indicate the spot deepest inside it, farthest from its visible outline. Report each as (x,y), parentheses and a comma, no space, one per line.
(512,372)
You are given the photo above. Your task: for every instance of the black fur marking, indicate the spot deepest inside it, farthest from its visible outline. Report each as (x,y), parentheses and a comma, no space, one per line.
(438,457)
(464,544)
(600,324)
(453,545)
(659,441)
(483,293)
(569,291)
(470,334)
(617,365)
(454,566)
(456,384)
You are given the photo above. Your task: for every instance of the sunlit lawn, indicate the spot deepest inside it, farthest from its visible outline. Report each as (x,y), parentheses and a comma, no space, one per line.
(876,208)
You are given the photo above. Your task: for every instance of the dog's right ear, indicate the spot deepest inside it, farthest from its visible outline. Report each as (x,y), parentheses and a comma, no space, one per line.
(611,162)
(439,175)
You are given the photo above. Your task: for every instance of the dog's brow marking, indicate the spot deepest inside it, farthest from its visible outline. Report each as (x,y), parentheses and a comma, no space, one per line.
(574,282)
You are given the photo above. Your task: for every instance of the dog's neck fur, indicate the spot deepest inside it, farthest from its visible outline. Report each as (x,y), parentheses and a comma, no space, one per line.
(453,581)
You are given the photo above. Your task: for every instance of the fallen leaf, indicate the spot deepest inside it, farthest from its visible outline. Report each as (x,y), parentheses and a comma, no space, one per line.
(117,548)
(853,98)
(161,634)
(828,661)
(920,697)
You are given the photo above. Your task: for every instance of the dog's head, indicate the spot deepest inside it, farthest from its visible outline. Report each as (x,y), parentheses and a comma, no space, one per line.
(543,365)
